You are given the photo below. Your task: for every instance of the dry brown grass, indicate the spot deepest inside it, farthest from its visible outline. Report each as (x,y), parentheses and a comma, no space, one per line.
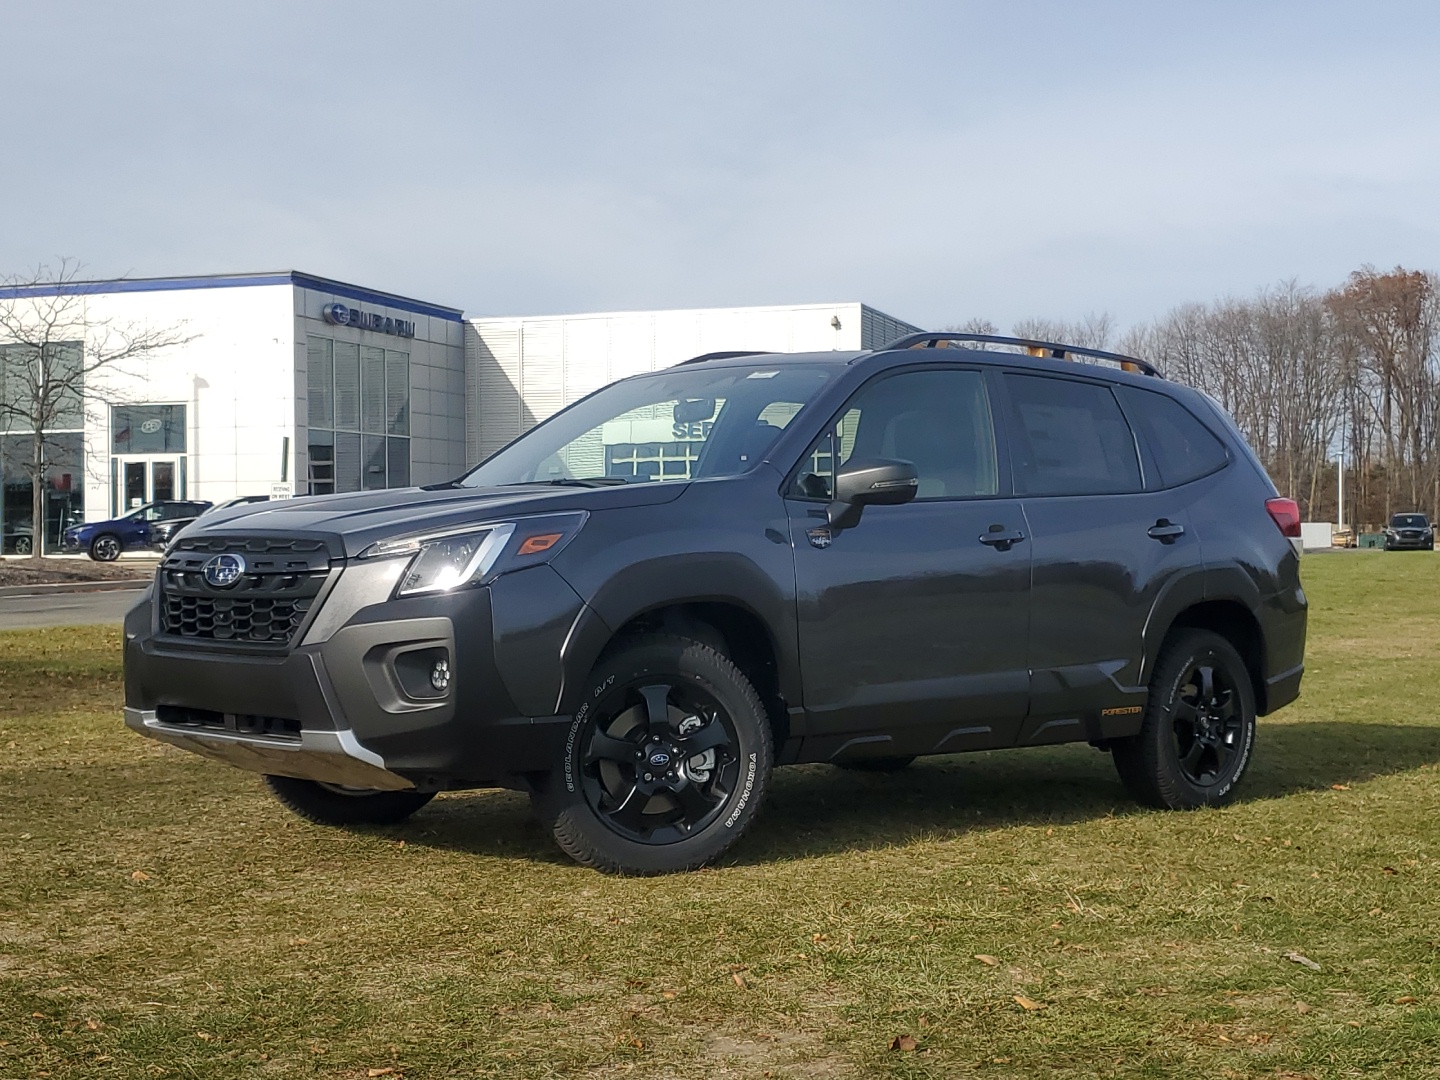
(161,916)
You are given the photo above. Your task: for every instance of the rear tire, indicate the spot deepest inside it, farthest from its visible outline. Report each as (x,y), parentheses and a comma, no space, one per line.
(329,804)
(666,764)
(1199,728)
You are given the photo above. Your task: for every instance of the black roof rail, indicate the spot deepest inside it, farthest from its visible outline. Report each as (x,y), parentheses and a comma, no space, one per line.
(1051,349)
(723,355)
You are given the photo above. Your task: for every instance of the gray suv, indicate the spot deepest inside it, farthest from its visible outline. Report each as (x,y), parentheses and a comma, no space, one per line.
(643,605)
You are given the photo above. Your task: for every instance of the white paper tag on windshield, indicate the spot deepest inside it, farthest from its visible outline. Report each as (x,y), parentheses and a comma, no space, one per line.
(762,374)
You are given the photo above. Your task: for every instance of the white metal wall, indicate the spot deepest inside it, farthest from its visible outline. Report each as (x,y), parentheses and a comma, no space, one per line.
(521,370)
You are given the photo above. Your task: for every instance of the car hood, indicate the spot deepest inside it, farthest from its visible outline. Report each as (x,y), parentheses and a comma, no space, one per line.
(353,522)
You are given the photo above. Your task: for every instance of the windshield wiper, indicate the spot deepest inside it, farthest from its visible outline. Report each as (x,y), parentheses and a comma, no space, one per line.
(572,481)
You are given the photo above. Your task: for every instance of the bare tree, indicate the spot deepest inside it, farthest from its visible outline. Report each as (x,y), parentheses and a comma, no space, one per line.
(974,325)
(55,360)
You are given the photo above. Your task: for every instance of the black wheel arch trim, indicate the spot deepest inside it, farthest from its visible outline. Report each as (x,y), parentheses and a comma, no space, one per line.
(714,578)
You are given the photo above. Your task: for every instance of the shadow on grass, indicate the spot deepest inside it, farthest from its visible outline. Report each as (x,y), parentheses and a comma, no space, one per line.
(816,809)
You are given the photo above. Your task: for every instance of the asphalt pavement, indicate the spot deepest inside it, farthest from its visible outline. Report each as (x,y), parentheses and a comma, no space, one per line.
(66,609)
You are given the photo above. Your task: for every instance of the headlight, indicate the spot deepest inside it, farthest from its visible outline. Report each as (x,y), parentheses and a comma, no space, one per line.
(444,561)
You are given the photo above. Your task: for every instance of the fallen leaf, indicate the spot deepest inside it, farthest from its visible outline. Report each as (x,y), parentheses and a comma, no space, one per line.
(987,960)
(379,1072)
(139,875)
(1303,1007)
(1406,1000)
(1388,870)
(904,1042)
(94,1025)
(739,980)
(1027,1004)
(1339,787)
(669,995)
(1374,911)
(37,1016)
(1303,961)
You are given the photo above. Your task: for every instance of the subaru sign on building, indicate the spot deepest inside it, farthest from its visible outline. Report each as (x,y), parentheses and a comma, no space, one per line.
(290,384)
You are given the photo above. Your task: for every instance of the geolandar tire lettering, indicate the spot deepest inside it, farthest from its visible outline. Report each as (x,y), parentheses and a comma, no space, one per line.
(666,761)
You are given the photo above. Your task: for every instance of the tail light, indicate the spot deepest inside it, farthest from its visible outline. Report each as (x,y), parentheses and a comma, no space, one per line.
(1286,515)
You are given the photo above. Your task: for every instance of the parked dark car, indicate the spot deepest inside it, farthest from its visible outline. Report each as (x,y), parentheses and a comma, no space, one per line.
(19,538)
(105,540)
(163,532)
(1409,532)
(638,608)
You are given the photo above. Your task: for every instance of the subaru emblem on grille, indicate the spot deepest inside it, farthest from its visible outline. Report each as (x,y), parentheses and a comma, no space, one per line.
(223,571)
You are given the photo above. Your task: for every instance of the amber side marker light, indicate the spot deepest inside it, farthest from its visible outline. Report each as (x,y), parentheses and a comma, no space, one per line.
(533,545)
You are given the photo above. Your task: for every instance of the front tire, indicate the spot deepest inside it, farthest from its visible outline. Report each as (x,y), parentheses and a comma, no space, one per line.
(666,764)
(330,804)
(1199,728)
(22,546)
(105,548)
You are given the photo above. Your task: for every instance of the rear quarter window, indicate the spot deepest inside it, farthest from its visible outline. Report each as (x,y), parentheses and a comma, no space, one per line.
(1182,447)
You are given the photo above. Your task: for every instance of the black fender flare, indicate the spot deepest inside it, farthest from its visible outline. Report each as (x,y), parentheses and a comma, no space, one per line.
(692,578)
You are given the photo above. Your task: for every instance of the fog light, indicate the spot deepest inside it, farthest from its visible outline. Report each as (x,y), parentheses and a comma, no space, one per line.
(440,675)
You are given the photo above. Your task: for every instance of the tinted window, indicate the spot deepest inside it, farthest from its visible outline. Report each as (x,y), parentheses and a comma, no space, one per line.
(1183,448)
(939,420)
(1069,438)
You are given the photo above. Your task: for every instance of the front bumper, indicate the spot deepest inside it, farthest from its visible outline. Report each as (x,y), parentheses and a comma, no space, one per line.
(1409,543)
(333,757)
(351,703)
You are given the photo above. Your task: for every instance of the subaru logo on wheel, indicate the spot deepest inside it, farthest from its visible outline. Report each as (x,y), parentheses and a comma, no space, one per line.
(223,571)
(659,759)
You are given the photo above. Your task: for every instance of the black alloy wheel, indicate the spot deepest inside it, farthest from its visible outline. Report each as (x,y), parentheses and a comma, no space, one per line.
(666,763)
(1206,724)
(660,761)
(1198,732)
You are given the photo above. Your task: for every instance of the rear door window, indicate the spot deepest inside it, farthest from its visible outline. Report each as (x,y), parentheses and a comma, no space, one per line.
(1183,449)
(1069,438)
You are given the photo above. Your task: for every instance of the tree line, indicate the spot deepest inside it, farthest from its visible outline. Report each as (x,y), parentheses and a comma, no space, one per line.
(1312,377)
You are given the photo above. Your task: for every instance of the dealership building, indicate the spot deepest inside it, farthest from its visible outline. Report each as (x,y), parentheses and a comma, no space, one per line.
(289,384)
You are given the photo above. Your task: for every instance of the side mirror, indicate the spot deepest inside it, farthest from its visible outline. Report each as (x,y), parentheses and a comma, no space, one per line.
(876,482)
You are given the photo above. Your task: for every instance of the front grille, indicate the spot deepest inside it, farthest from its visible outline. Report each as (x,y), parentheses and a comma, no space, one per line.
(265,607)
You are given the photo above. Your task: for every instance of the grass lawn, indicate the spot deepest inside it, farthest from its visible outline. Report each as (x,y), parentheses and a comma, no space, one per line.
(1012,912)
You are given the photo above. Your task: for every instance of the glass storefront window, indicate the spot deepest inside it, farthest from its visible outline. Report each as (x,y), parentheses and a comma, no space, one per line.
(147,429)
(359,416)
(64,490)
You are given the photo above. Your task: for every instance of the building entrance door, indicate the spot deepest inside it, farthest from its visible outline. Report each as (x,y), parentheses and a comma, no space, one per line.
(145,480)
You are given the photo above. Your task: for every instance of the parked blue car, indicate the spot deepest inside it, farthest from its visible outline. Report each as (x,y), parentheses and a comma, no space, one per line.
(105,540)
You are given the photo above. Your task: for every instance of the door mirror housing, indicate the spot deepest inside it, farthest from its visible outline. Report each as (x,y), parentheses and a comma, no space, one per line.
(874,482)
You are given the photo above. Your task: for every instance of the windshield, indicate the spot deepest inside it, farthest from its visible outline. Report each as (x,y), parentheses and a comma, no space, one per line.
(678,424)
(1408,521)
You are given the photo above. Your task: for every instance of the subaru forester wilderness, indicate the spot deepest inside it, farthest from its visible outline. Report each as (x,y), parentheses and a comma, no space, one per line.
(640,607)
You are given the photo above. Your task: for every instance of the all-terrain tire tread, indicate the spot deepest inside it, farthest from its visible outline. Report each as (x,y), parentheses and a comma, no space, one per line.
(1140,761)
(309,800)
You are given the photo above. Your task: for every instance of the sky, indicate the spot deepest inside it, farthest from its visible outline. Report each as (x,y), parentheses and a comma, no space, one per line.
(940,161)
